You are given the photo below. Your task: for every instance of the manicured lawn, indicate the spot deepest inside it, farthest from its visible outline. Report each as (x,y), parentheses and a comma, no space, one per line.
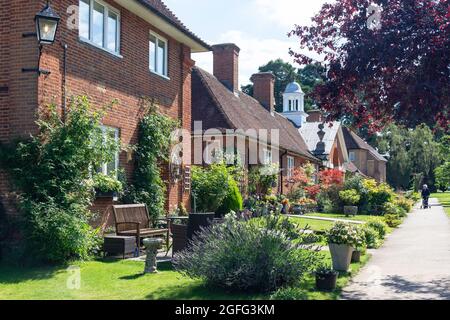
(119,280)
(315,225)
(444,199)
(363,218)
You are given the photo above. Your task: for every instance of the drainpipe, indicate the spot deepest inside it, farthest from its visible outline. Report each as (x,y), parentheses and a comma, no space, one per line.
(281,171)
(64,90)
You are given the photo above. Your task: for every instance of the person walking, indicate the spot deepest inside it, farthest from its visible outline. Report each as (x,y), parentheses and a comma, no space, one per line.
(425,196)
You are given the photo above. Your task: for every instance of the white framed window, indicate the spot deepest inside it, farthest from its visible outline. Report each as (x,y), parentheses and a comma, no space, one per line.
(113,166)
(352,156)
(99,24)
(158,54)
(267,157)
(290,166)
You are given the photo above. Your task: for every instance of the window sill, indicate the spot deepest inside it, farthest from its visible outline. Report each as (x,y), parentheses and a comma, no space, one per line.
(160,75)
(89,42)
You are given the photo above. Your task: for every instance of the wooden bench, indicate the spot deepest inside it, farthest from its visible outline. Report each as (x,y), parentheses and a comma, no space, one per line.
(133,220)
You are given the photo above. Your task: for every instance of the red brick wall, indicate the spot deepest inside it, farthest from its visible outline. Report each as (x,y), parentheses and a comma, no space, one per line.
(98,74)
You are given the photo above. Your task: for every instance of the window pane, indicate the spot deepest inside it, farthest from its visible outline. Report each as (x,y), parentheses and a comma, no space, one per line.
(161,56)
(98,24)
(84,18)
(112,32)
(153,53)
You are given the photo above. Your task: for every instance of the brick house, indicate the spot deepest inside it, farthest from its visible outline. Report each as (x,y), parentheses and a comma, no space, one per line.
(122,49)
(368,160)
(235,118)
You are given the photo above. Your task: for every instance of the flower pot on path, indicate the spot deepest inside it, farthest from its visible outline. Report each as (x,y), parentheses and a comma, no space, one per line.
(341,254)
(356,256)
(326,282)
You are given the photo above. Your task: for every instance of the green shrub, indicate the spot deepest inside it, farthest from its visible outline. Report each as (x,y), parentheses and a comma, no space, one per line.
(324,203)
(289,294)
(371,237)
(343,233)
(412,195)
(393,209)
(405,204)
(379,226)
(60,234)
(242,256)
(350,197)
(51,172)
(210,186)
(392,220)
(233,200)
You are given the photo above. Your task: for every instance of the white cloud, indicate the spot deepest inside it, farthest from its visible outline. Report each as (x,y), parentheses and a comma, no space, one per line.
(287,13)
(255,52)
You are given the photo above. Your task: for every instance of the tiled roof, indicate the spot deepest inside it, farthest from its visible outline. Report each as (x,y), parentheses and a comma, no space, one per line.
(240,111)
(159,7)
(353,141)
(309,133)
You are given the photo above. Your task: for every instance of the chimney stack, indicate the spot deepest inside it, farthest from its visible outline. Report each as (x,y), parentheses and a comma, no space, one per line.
(315,115)
(263,89)
(226,65)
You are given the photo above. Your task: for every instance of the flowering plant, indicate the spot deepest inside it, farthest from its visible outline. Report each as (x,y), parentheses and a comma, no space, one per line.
(344,233)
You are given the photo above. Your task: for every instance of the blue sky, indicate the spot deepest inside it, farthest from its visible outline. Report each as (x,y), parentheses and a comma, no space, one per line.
(258,27)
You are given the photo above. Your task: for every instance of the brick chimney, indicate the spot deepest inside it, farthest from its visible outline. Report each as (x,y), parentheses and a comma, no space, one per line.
(226,65)
(315,116)
(263,89)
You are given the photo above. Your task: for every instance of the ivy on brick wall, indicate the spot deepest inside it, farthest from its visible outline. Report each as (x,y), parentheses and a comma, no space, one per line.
(152,151)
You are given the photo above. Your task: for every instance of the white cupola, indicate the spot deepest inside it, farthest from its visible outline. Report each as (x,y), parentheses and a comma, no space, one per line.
(294,104)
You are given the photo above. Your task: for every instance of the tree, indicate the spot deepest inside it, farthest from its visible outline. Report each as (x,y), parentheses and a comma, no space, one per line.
(413,155)
(397,70)
(286,73)
(394,141)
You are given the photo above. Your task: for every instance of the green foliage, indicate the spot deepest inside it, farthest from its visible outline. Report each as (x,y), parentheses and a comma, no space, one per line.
(152,151)
(377,195)
(289,294)
(233,200)
(412,154)
(412,195)
(324,203)
(371,237)
(379,226)
(51,172)
(350,197)
(404,203)
(442,174)
(343,233)
(106,183)
(263,179)
(242,256)
(210,186)
(392,220)
(391,208)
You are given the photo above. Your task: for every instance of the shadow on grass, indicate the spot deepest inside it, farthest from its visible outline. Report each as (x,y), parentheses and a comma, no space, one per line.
(14,274)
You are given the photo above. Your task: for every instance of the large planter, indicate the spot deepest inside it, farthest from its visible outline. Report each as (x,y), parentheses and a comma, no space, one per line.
(350,210)
(197,221)
(298,210)
(341,254)
(179,237)
(326,282)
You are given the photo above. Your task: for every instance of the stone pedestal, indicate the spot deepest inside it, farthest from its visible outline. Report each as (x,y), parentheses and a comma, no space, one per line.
(151,248)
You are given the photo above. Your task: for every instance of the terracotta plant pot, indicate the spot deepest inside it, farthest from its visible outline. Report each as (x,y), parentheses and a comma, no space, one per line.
(350,210)
(326,282)
(341,254)
(356,256)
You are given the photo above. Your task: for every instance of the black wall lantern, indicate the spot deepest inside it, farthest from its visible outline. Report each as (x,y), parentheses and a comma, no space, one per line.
(46,26)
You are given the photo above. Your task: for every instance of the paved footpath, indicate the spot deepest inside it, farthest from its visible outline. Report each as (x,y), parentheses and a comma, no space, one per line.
(413,264)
